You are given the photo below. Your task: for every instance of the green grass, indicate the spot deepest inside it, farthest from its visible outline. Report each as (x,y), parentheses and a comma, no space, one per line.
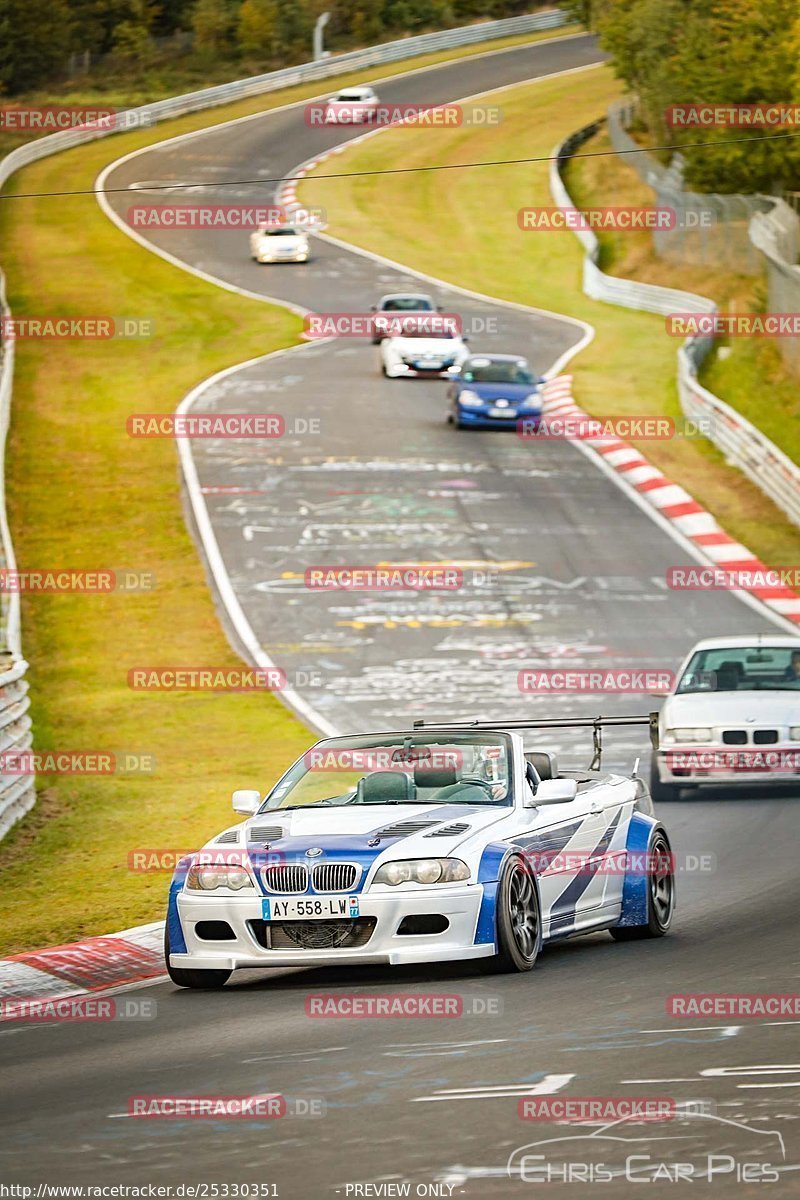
(751,375)
(630,367)
(81,494)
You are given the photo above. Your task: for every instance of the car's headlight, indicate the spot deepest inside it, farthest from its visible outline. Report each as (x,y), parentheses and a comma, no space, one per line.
(208,879)
(471,399)
(534,400)
(794,733)
(422,870)
(687,734)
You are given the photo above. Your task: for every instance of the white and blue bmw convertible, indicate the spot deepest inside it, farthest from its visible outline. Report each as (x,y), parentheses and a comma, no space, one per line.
(434,844)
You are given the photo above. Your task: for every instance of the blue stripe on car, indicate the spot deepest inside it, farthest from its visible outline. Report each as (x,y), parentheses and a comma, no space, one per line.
(565,907)
(177,942)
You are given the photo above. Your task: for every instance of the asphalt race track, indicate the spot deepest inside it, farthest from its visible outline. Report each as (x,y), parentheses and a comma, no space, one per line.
(577,578)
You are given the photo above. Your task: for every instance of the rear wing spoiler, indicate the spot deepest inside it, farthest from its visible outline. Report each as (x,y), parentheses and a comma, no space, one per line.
(596,724)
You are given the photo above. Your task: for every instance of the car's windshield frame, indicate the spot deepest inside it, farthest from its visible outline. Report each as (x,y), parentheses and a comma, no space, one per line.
(430,738)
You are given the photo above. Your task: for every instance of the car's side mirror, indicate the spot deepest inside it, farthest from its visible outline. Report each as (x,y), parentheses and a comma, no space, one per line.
(553,791)
(440,308)
(464,337)
(373,308)
(454,372)
(246,801)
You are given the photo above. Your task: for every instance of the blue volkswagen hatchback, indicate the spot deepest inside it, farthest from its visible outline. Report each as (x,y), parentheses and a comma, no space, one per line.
(493,391)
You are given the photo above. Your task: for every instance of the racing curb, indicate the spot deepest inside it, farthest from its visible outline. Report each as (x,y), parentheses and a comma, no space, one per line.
(97,964)
(673,503)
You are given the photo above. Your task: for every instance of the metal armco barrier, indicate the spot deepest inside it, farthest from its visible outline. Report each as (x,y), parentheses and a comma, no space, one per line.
(17,792)
(742,443)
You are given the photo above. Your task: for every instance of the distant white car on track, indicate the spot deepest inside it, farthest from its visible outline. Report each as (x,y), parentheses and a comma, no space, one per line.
(280,243)
(351,106)
(419,353)
(733,717)
(432,844)
(392,308)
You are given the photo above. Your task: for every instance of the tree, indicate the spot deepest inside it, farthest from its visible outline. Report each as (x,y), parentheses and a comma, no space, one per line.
(35,44)
(212,22)
(721,52)
(132,41)
(257,27)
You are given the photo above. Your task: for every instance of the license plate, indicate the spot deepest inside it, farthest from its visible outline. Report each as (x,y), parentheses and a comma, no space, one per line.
(506,413)
(309,908)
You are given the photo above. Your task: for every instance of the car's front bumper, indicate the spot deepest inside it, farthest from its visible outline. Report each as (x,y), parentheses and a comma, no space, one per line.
(300,256)
(729,766)
(400,370)
(461,906)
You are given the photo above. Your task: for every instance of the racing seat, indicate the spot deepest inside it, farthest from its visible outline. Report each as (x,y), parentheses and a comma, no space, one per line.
(543,762)
(385,787)
(728,676)
(441,778)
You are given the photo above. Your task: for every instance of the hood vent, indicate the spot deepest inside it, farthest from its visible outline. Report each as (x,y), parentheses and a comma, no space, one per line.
(404,828)
(230,838)
(261,834)
(449,830)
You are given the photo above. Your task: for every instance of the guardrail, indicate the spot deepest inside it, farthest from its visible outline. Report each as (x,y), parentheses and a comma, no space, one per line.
(17,792)
(745,446)
(226,93)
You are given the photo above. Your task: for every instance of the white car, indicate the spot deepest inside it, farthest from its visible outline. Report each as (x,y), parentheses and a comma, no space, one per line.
(419,353)
(279,243)
(352,106)
(733,717)
(432,844)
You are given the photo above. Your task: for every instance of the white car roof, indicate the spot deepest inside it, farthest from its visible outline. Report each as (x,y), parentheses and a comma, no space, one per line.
(364,92)
(769,640)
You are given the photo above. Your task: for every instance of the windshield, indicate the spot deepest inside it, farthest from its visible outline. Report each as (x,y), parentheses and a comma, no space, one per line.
(742,669)
(287,231)
(354,96)
(435,334)
(488,371)
(407,304)
(430,768)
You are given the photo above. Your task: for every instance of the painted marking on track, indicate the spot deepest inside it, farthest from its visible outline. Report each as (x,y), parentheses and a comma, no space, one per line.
(728,1030)
(545,1087)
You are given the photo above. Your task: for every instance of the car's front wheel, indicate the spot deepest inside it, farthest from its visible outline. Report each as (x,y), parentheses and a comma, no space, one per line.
(518,919)
(660,893)
(189,977)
